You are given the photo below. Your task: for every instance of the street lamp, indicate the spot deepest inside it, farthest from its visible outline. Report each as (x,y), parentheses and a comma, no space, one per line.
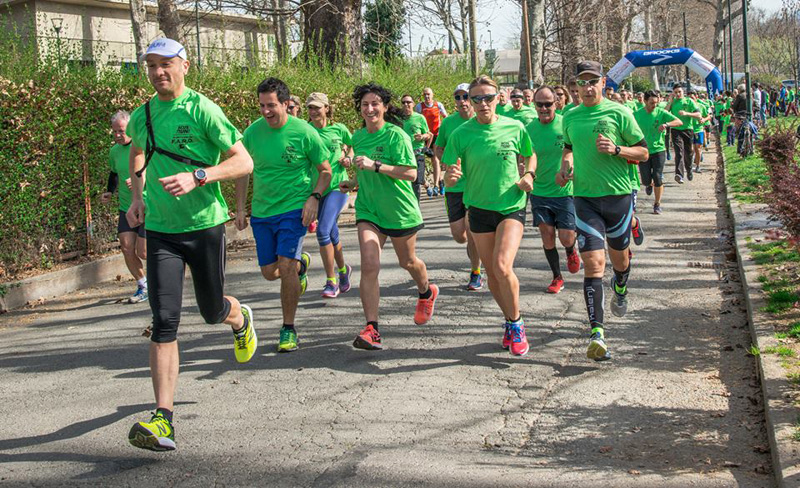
(58,23)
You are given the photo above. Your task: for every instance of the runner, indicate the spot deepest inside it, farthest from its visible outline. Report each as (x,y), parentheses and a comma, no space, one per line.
(484,152)
(295,106)
(185,221)
(562,99)
(131,240)
(552,206)
(416,127)
(386,206)
(337,138)
(699,131)
(454,198)
(503,105)
(527,93)
(285,151)
(639,101)
(683,136)
(518,110)
(434,112)
(602,189)
(654,123)
(574,95)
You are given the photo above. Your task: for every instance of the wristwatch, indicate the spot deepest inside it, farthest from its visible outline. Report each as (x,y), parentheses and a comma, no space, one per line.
(317,196)
(532,173)
(200,176)
(377,167)
(617,149)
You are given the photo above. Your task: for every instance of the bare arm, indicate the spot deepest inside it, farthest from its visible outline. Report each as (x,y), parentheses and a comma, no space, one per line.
(408,173)
(238,163)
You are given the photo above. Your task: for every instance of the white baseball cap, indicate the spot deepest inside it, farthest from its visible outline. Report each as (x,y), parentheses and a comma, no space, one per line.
(461,87)
(166,47)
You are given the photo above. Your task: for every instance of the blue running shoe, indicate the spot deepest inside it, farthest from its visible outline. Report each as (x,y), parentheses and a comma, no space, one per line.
(429,191)
(344,279)
(139,296)
(475,282)
(436,191)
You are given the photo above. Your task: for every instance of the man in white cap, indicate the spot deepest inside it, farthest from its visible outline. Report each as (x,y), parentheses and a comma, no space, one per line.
(454,198)
(179,135)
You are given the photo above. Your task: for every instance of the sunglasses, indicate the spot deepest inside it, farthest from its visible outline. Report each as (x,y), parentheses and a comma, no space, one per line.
(544,104)
(407,102)
(592,82)
(292,107)
(483,98)
(461,97)
(517,96)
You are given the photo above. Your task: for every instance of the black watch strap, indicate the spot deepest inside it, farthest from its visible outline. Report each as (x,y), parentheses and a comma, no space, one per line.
(617,150)
(317,196)
(532,173)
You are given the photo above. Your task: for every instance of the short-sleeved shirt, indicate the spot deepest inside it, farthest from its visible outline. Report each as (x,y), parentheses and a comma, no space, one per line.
(726,121)
(195,127)
(631,105)
(502,109)
(387,202)
(334,136)
(649,122)
(283,162)
(596,174)
(568,107)
(450,124)
(548,144)
(525,115)
(698,126)
(687,105)
(118,163)
(413,125)
(488,154)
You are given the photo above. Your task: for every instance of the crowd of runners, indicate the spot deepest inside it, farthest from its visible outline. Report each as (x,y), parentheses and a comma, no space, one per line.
(577,154)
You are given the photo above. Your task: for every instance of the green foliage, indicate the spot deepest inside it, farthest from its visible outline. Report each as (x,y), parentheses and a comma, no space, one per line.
(793,332)
(383,25)
(782,351)
(780,300)
(747,178)
(53,121)
(774,252)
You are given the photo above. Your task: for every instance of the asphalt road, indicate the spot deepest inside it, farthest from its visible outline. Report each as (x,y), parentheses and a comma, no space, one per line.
(443,405)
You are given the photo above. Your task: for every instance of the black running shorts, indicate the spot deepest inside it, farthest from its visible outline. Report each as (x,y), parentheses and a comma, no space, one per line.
(601,219)
(454,202)
(483,221)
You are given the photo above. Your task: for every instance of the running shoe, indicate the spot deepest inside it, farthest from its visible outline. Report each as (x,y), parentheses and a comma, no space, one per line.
(441,188)
(475,282)
(139,296)
(429,191)
(657,208)
(597,346)
(425,306)
(436,191)
(368,339)
(697,169)
(344,279)
(287,341)
(156,435)
(331,289)
(305,259)
(679,179)
(638,233)
(690,176)
(245,342)
(556,285)
(574,261)
(619,300)
(648,190)
(519,342)
(506,336)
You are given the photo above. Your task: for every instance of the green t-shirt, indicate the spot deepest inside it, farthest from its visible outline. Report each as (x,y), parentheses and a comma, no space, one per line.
(639,105)
(649,124)
(191,126)
(413,125)
(633,173)
(687,105)
(449,124)
(790,95)
(631,105)
(334,136)
(503,109)
(283,162)
(385,201)
(726,121)
(719,106)
(548,144)
(525,115)
(662,104)
(569,107)
(488,154)
(698,126)
(596,174)
(118,162)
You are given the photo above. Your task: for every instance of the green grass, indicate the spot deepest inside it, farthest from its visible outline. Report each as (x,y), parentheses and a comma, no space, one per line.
(753,351)
(793,332)
(780,301)
(747,177)
(782,351)
(774,252)
(794,378)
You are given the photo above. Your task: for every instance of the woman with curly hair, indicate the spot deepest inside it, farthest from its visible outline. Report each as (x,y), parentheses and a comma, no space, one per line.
(386,206)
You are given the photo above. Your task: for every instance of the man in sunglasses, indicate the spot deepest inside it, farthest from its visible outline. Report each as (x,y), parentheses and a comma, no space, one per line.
(416,126)
(454,198)
(434,112)
(683,136)
(518,109)
(601,139)
(551,204)
(295,106)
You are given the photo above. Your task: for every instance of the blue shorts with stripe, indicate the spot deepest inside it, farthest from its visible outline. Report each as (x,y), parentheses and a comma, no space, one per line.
(601,219)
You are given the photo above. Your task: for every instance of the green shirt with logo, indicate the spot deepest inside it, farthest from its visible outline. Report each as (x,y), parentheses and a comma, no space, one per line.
(488,154)
(525,115)
(649,122)
(334,136)
(119,163)
(283,162)
(413,125)
(548,144)
(597,174)
(698,126)
(687,105)
(387,202)
(449,124)
(195,127)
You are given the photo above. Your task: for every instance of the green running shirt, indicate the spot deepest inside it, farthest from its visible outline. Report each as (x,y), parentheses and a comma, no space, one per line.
(450,124)
(548,144)
(334,136)
(649,124)
(413,125)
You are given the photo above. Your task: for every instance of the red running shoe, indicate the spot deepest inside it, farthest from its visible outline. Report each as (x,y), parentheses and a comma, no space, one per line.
(519,342)
(506,336)
(368,339)
(425,307)
(556,285)
(574,261)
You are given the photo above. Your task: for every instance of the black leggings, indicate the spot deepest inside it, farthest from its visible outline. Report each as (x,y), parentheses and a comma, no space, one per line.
(652,170)
(167,257)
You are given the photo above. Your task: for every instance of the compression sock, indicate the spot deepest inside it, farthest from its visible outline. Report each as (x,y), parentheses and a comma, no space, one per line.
(552,260)
(621,280)
(245,321)
(593,295)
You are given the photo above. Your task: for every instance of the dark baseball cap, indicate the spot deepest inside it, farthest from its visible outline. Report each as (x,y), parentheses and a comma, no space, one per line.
(591,67)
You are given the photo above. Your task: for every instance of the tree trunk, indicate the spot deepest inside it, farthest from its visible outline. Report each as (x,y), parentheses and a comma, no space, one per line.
(464,31)
(333,31)
(536,13)
(138,22)
(169,21)
(279,29)
(648,38)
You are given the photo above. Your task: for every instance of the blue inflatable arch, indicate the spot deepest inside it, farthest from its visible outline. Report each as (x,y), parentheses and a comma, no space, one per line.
(661,57)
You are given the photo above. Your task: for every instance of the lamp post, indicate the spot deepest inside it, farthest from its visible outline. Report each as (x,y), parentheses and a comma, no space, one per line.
(58,23)
(746,52)
(730,43)
(197,32)
(686,43)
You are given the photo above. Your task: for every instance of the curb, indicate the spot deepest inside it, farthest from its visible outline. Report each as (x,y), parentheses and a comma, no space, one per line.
(750,220)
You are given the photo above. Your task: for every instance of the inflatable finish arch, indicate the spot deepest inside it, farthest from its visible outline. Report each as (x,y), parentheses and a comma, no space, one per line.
(661,57)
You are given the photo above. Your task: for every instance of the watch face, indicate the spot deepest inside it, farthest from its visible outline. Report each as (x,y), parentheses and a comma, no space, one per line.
(200,174)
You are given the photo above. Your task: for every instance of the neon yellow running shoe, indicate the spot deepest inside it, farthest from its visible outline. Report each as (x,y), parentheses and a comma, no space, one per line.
(245,343)
(305,263)
(288,340)
(156,435)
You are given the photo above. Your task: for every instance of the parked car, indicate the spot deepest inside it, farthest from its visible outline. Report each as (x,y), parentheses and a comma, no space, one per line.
(789,83)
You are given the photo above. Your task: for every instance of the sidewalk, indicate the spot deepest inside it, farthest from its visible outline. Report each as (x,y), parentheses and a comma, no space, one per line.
(443,405)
